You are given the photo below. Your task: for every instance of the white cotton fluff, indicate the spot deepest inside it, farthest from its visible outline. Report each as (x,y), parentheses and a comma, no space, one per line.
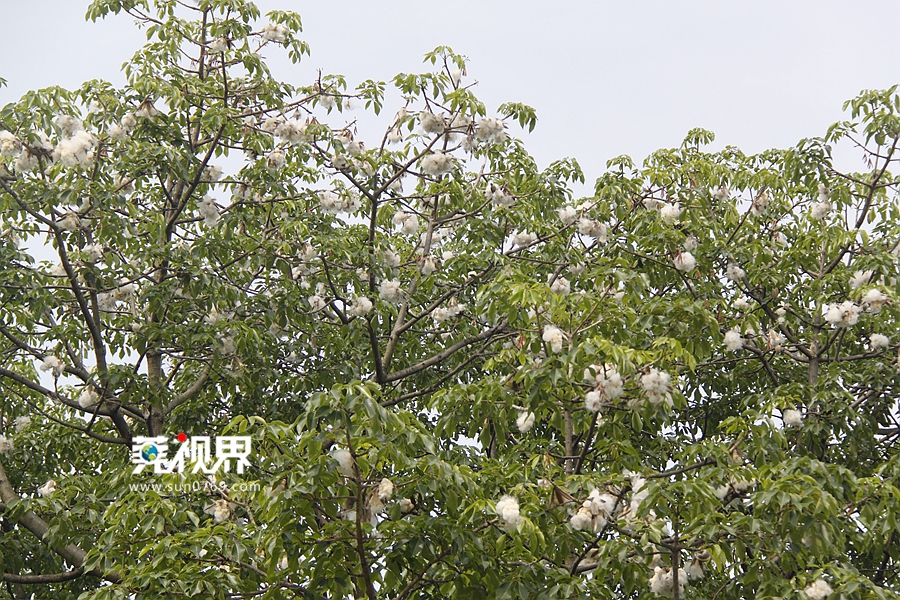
(606,378)
(845,314)
(593,401)
(26,161)
(209,211)
(525,421)
(860,278)
(567,214)
(361,306)
(592,228)
(874,301)
(220,510)
(877,341)
(657,386)
(291,131)
(391,258)
(429,265)
(68,125)
(498,196)
(275,159)
(275,32)
(46,490)
(441,314)
(775,340)
(820,210)
(6,445)
(722,193)
(741,303)
(10,145)
(390,291)
(691,243)
(818,590)
(394,136)
(582,519)
(524,238)
(211,173)
(490,129)
(76,150)
(385,490)
(662,583)
(792,417)
(760,204)
(406,505)
(508,510)
(93,253)
(561,286)
(317,302)
(694,570)
(436,164)
(70,222)
(733,340)
(345,461)
(117,132)
(685,261)
(53,364)
(670,212)
(734,272)
(129,121)
(432,123)
(554,336)
(408,223)
(22,423)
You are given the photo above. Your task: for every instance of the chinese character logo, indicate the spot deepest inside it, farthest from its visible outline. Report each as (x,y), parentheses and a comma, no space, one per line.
(193,455)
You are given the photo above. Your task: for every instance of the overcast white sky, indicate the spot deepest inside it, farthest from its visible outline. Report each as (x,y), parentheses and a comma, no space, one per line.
(606,78)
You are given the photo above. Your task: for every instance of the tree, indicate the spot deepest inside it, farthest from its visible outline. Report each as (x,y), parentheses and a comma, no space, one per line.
(459,381)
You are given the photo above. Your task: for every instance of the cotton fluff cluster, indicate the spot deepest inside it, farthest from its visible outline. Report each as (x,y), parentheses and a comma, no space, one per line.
(657,386)
(592,228)
(594,512)
(874,301)
(508,510)
(845,314)
(408,223)
(498,196)
(436,164)
(561,286)
(89,398)
(291,131)
(860,278)
(525,421)
(22,423)
(818,590)
(220,510)
(567,214)
(670,212)
(70,221)
(389,290)
(361,306)
(490,129)
(46,490)
(760,203)
(662,583)
(877,341)
(6,445)
(734,272)
(554,336)
(9,144)
(792,417)
(608,384)
(275,159)
(77,148)
(209,211)
(333,203)
(441,313)
(523,238)
(53,364)
(345,462)
(775,340)
(432,123)
(733,340)
(685,261)
(275,32)
(822,208)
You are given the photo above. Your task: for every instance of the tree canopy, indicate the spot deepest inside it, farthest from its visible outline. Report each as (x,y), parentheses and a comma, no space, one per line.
(459,380)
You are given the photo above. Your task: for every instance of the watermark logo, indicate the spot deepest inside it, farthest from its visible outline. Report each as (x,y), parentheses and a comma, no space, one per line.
(193,455)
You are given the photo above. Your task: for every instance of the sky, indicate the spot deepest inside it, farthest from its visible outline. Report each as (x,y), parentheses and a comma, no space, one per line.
(606,78)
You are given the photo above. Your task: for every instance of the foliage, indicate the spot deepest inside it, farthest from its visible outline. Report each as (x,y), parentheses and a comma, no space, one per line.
(695,367)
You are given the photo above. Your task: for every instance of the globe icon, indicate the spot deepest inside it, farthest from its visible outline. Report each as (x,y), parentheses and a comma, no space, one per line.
(149,453)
